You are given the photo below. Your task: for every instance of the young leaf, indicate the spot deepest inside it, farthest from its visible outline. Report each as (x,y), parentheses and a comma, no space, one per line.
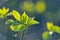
(52,27)
(16,15)
(49,25)
(12,27)
(56,29)
(9,14)
(16,28)
(3,12)
(46,35)
(24,18)
(9,21)
(32,22)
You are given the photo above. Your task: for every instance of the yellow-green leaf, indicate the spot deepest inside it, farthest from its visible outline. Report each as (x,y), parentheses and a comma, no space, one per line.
(24,18)
(46,35)
(16,15)
(56,29)
(32,21)
(3,12)
(52,27)
(12,27)
(9,21)
(49,25)
(16,28)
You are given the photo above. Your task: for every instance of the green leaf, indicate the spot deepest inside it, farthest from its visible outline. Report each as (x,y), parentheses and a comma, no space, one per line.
(49,25)
(46,35)
(15,23)
(52,27)
(9,14)
(24,18)
(3,12)
(16,28)
(16,15)
(56,29)
(32,22)
(23,28)
(9,21)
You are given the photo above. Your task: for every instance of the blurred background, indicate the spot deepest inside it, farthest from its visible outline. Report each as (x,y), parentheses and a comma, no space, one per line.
(42,10)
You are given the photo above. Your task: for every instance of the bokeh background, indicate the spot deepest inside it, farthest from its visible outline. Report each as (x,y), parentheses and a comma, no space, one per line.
(43,11)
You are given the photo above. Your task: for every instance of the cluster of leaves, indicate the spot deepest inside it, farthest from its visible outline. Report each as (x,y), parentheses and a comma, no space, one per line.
(52,28)
(21,22)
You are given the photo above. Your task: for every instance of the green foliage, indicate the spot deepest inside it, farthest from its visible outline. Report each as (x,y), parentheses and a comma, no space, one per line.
(56,29)
(21,23)
(9,21)
(16,28)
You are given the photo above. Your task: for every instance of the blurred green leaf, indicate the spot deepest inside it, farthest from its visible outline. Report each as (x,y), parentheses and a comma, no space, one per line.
(52,27)
(49,25)
(56,29)
(46,35)
(27,6)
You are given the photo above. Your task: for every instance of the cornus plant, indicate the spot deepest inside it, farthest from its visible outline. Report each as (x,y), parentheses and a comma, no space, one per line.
(21,23)
(51,29)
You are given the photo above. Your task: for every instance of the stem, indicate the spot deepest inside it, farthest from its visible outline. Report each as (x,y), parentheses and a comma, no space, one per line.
(22,35)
